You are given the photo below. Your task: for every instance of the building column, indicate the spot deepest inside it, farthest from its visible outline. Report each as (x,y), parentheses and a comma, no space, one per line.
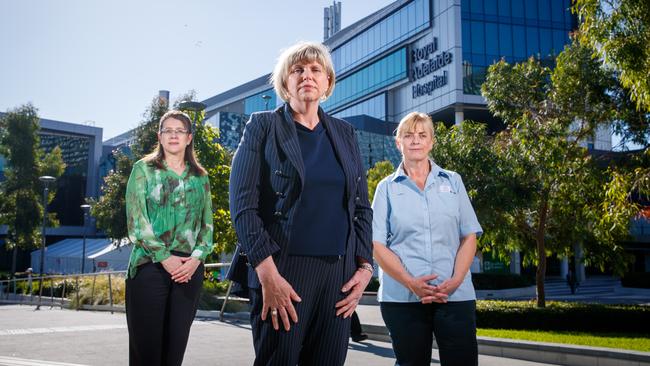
(564,267)
(459,116)
(515,261)
(580,265)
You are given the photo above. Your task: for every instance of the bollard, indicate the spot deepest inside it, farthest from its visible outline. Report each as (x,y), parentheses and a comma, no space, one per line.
(110,292)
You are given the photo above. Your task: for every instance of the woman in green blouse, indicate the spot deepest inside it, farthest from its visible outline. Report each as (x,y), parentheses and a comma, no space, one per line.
(169,217)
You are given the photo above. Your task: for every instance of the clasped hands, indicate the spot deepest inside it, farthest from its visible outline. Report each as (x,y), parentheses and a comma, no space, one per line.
(181,268)
(428,293)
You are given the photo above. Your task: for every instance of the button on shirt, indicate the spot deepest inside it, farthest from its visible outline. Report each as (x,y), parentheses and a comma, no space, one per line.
(424,228)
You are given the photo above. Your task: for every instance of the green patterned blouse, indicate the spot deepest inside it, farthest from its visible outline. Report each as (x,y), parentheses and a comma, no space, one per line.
(167,212)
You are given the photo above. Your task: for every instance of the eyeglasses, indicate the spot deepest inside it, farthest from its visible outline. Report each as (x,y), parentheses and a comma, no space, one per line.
(171,131)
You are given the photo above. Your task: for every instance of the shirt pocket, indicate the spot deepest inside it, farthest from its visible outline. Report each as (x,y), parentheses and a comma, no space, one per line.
(446,203)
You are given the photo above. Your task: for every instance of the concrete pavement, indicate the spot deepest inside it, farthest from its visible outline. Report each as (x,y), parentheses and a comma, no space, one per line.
(65,337)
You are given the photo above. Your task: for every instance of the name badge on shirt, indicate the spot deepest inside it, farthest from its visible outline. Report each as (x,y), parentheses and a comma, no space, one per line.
(444,189)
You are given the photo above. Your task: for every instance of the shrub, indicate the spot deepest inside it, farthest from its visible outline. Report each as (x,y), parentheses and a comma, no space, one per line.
(209,299)
(95,291)
(636,279)
(562,316)
(498,281)
(22,287)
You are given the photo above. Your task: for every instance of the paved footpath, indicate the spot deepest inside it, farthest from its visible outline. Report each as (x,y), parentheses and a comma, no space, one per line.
(51,337)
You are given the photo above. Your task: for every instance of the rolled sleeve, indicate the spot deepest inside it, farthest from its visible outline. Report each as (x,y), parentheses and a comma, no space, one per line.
(380,223)
(468,221)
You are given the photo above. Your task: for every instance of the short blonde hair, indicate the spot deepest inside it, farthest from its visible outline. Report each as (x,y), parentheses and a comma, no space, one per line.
(408,123)
(301,52)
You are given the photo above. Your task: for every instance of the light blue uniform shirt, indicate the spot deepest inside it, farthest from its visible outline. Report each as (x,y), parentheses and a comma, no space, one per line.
(424,229)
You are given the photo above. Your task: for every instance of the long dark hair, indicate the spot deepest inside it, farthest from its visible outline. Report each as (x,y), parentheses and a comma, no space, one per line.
(157,156)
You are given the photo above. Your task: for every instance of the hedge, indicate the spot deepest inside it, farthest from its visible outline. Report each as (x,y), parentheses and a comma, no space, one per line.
(562,316)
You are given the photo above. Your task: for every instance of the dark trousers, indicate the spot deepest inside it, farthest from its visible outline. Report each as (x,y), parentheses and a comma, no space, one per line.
(159,313)
(412,326)
(355,329)
(319,337)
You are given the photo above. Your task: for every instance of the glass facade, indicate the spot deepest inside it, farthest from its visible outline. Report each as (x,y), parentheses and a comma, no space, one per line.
(376,143)
(71,187)
(371,78)
(373,107)
(231,128)
(256,103)
(512,29)
(390,31)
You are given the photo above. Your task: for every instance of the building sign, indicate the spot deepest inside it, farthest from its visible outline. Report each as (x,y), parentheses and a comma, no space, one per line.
(425,62)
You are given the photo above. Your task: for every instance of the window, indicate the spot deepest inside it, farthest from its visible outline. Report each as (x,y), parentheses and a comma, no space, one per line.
(373,77)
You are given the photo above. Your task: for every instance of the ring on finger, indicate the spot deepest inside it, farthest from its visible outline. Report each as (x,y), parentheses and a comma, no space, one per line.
(274,312)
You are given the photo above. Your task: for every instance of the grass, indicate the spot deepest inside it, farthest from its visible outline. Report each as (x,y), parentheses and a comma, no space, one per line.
(627,341)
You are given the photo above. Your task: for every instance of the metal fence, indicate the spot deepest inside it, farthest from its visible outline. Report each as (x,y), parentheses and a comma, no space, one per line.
(21,290)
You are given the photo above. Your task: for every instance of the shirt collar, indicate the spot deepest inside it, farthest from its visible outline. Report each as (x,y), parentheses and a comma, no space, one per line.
(400,175)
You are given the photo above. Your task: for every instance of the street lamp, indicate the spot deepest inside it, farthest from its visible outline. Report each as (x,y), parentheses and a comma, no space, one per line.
(266,98)
(46,179)
(86,209)
(195,107)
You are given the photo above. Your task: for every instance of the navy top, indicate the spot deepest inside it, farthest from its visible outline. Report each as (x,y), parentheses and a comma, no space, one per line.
(320,225)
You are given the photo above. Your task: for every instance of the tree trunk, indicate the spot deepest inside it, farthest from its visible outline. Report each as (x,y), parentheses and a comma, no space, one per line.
(541,252)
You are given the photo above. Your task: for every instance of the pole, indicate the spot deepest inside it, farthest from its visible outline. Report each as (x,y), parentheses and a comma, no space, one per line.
(42,259)
(46,181)
(85,208)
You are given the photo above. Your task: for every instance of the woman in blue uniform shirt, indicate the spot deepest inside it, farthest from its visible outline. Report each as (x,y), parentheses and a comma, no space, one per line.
(424,240)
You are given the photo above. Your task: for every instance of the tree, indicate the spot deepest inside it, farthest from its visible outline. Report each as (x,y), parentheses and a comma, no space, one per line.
(22,208)
(375,174)
(619,32)
(216,160)
(568,198)
(110,209)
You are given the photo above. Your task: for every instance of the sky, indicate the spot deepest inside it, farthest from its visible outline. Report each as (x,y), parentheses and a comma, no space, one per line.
(102,62)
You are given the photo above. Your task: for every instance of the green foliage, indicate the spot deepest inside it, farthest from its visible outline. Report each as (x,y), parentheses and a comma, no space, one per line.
(619,32)
(499,281)
(560,316)
(110,209)
(375,174)
(21,205)
(567,198)
(146,134)
(212,295)
(216,160)
(95,290)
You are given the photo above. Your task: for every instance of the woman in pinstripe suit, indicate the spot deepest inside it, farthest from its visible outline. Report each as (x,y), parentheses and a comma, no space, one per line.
(299,203)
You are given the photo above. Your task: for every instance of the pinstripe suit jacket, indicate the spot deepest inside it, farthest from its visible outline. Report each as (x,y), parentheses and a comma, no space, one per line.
(266,182)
